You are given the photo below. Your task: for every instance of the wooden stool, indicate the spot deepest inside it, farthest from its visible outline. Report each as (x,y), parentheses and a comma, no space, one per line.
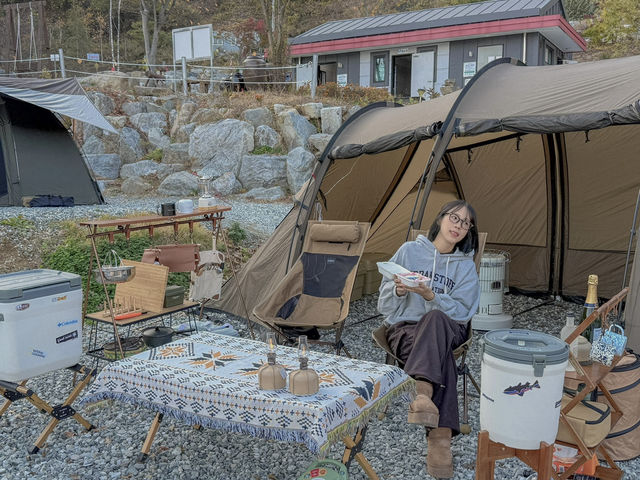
(489,451)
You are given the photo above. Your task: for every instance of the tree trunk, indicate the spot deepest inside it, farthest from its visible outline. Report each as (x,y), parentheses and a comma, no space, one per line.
(144,16)
(111,30)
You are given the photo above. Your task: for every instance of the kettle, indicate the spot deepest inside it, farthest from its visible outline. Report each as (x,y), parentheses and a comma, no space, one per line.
(184,206)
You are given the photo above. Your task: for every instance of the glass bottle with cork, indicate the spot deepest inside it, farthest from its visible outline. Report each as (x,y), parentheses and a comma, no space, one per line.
(592,332)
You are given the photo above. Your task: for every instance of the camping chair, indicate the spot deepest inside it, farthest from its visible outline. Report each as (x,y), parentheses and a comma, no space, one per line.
(317,289)
(460,354)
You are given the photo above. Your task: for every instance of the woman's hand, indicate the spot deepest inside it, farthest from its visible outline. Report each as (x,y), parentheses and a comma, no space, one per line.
(401,288)
(423,290)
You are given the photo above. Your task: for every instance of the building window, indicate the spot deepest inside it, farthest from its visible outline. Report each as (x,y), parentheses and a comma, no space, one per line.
(379,69)
(548,55)
(488,54)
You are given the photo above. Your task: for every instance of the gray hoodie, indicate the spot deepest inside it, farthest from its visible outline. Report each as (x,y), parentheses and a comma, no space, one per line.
(453,279)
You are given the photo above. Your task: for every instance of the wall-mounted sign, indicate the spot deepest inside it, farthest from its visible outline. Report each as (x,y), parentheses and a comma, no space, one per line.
(341,78)
(93,56)
(469,69)
(403,51)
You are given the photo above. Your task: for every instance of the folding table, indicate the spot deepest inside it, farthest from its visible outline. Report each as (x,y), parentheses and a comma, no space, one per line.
(211,380)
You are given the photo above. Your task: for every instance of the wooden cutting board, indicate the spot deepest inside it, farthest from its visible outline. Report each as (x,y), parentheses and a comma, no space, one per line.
(147,287)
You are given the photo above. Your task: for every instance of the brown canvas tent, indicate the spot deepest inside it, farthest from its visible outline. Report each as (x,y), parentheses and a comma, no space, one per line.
(547,155)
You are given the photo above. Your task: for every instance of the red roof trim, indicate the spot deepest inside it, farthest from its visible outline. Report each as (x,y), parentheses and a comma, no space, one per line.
(431,34)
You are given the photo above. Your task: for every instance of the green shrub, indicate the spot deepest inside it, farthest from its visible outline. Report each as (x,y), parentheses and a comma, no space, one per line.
(267,150)
(17,222)
(236,233)
(155,155)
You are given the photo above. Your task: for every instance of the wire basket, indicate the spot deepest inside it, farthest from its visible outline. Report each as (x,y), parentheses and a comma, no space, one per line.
(113,271)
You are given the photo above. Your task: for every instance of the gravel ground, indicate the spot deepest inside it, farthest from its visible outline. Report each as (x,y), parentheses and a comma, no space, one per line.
(395,449)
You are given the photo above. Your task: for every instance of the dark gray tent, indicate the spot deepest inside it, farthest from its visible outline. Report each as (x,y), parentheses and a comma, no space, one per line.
(38,155)
(547,155)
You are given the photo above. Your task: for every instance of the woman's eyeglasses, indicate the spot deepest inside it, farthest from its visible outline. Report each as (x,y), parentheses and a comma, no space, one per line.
(455,219)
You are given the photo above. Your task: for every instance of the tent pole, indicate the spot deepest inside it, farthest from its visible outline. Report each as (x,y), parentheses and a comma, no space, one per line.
(439,149)
(632,233)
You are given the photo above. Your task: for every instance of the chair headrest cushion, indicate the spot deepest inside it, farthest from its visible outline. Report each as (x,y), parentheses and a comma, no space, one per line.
(335,233)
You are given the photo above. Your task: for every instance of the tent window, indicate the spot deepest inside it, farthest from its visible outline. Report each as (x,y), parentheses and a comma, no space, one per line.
(488,54)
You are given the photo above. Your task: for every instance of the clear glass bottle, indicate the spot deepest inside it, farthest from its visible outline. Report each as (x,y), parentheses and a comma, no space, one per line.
(590,304)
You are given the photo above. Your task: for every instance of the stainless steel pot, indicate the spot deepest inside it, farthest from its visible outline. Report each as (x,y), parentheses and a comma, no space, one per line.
(156,336)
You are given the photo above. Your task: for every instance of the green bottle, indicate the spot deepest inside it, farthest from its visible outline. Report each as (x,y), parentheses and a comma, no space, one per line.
(590,304)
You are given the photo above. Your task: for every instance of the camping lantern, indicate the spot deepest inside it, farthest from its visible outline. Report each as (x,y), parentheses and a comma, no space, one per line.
(492,276)
(271,376)
(204,189)
(304,381)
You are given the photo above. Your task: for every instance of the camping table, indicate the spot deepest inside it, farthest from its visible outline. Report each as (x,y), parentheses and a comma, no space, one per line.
(211,380)
(104,317)
(124,226)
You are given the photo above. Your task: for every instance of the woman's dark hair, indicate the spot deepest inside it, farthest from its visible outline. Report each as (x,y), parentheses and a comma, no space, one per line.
(470,240)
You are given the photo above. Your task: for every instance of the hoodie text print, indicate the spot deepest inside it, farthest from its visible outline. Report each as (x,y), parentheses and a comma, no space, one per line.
(453,279)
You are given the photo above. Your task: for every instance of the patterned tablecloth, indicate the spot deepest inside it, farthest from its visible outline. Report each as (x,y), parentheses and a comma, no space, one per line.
(212,380)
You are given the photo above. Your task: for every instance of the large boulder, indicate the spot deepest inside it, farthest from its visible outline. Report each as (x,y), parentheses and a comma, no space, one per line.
(106,165)
(176,153)
(278,108)
(205,115)
(263,171)
(152,107)
(93,146)
(319,141)
(179,184)
(226,184)
(146,121)
(295,129)
(106,80)
(130,147)
(311,110)
(158,139)
(167,169)
(184,133)
(268,194)
(117,121)
(331,119)
(353,110)
(143,168)
(133,108)
(299,167)
(258,116)
(266,136)
(184,116)
(135,186)
(103,102)
(217,148)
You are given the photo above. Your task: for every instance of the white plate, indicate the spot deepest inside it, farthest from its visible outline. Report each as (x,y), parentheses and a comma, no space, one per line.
(412,279)
(389,269)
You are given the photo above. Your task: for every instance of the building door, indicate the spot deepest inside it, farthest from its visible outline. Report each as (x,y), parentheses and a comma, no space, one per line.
(422,67)
(327,72)
(401,87)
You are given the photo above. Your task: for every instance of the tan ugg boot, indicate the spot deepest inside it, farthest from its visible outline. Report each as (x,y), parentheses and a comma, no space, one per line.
(439,457)
(422,410)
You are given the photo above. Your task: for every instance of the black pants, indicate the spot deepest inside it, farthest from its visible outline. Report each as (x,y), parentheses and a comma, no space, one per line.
(426,349)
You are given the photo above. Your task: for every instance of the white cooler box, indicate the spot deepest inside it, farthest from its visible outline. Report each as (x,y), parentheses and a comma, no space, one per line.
(522,375)
(40,322)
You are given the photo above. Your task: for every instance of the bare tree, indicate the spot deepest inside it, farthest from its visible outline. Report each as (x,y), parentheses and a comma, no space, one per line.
(153,12)
(274,14)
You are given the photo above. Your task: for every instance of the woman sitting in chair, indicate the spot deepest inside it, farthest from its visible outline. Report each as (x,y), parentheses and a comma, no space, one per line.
(427,322)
